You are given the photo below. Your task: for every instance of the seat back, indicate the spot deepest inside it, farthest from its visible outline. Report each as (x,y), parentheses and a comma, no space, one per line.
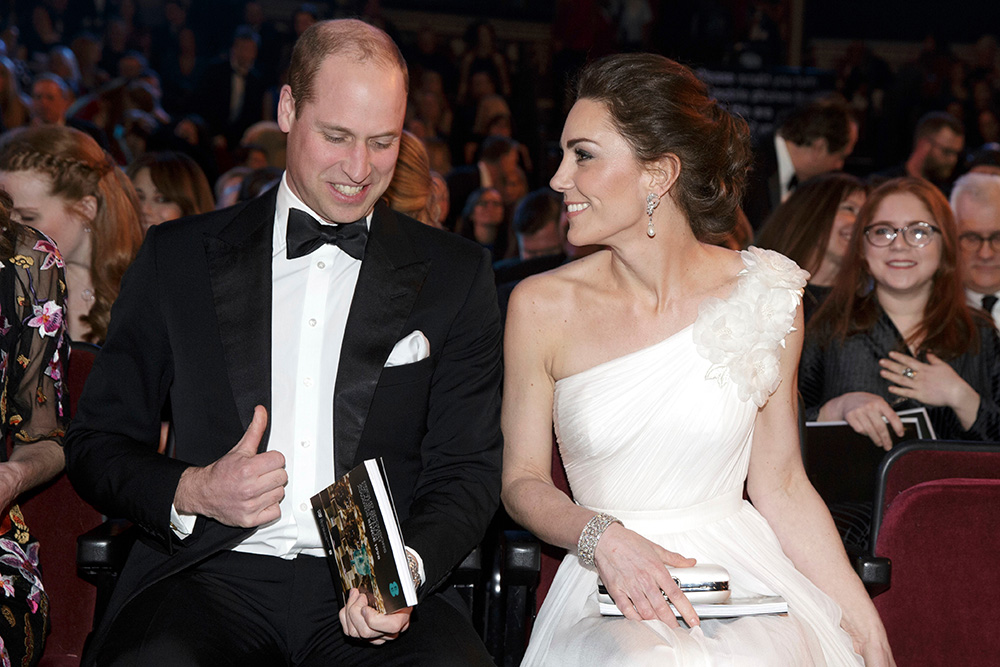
(943,537)
(919,461)
(56,515)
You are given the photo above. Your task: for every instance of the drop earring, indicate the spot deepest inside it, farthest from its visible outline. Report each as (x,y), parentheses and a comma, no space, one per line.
(652,201)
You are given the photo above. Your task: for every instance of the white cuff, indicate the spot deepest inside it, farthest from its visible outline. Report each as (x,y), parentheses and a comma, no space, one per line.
(181,524)
(420,564)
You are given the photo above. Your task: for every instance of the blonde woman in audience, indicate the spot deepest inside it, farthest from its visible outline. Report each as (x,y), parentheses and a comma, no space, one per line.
(63,184)
(170,186)
(409,192)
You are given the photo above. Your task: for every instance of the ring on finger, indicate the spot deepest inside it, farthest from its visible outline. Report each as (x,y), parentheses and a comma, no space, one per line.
(909,372)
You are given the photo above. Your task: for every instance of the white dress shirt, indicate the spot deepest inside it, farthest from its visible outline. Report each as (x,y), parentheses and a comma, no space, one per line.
(786,170)
(976,301)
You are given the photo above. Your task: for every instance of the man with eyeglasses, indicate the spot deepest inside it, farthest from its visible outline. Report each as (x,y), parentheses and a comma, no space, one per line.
(976,202)
(937,146)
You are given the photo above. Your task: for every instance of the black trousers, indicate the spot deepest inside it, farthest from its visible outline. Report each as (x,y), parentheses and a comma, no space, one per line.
(247,610)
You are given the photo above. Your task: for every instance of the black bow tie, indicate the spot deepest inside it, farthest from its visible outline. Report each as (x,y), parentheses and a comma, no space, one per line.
(306,234)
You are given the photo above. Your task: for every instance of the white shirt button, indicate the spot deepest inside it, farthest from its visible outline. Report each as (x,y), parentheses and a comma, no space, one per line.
(305,443)
(304,507)
(312,322)
(320,265)
(308,382)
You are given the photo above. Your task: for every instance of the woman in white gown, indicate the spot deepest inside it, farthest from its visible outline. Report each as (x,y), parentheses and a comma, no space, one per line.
(668,367)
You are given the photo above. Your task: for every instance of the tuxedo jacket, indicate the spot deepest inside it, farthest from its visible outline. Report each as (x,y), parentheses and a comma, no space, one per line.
(763,190)
(193,324)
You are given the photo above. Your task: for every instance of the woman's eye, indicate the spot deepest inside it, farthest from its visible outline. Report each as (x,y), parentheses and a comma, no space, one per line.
(581,154)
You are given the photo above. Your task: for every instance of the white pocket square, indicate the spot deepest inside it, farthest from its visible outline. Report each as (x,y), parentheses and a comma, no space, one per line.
(409,350)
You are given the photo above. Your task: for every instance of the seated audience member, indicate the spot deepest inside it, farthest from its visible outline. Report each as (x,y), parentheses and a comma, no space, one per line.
(32,298)
(15,106)
(437,205)
(813,227)
(975,199)
(896,332)
(50,101)
(272,141)
(539,237)
(170,186)
(985,160)
(482,220)
(409,191)
(814,139)
(497,159)
(63,184)
(937,146)
(227,186)
(258,181)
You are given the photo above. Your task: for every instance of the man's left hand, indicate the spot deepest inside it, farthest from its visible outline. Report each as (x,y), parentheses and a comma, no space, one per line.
(364,622)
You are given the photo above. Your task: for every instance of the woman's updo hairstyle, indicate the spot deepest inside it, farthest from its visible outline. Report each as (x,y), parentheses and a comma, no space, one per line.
(660,107)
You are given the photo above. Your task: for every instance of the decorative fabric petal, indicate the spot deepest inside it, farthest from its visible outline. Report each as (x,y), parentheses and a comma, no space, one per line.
(743,335)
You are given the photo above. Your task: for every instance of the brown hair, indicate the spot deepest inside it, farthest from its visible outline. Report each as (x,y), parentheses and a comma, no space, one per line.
(350,37)
(409,192)
(178,178)
(800,228)
(827,118)
(660,107)
(79,168)
(948,327)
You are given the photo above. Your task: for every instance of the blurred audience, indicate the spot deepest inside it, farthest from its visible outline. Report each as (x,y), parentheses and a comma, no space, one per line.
(410,190)
(937,147)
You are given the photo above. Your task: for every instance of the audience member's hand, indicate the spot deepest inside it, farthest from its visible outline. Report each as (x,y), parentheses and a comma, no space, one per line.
(931,383)
(867,414)
(634,571)
(362,621)
(243,488)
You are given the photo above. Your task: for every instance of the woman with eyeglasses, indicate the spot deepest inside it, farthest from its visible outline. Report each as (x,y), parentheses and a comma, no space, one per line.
(896,333)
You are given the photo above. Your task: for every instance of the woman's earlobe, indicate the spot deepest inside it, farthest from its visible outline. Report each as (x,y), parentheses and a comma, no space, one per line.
(86,207)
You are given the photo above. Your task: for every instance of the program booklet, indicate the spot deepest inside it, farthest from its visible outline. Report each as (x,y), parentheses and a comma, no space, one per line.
(362,539)
(733,607)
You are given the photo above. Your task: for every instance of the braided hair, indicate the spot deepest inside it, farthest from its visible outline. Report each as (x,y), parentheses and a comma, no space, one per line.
(79,168)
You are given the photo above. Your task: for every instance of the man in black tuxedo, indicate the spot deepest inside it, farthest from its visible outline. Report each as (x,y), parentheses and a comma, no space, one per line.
(813,139)
(230,92)
(293,343)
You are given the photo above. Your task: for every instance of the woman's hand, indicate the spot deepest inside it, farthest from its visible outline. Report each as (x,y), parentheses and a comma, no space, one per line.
(867,414)
(634,570)
(873,645)
(931,383)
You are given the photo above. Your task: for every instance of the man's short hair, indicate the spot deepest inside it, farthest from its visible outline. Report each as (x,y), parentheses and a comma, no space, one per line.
(350,37)
(536,210)
(933,122)
(827,118)
(495,147)
(981,189)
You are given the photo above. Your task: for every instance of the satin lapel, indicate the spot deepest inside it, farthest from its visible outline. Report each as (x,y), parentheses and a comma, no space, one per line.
(390,280)
(239,265)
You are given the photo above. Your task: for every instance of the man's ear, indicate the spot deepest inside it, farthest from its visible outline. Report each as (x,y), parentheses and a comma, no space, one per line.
(86,208)
(663,174)
(286,109)
(820,146)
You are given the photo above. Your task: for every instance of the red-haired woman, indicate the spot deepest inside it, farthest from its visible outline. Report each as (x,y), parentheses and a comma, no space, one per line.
(896,333)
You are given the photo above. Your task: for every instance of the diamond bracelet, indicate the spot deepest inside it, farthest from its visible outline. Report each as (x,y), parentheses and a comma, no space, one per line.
(587,544)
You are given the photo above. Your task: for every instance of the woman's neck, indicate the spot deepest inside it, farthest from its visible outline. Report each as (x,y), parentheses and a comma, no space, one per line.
(905,310)
(80,298)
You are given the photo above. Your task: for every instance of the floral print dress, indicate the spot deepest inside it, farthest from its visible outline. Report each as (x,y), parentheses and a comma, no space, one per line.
(33,349)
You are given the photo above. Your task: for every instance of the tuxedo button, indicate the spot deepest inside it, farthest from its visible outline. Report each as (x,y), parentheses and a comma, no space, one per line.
(308,382)
(312,322)
(320,265)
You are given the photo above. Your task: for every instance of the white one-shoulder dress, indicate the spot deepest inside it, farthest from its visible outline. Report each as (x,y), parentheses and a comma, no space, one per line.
(661,439)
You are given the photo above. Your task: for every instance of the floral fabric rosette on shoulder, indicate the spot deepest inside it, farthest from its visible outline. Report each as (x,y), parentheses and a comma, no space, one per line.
(741,334)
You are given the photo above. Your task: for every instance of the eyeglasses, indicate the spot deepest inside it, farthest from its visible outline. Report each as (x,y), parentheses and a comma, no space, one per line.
(489,202)
(974,242)
(947,151)
(916,234)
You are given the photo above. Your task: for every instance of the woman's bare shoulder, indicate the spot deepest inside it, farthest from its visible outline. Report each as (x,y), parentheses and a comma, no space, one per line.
(558,294)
